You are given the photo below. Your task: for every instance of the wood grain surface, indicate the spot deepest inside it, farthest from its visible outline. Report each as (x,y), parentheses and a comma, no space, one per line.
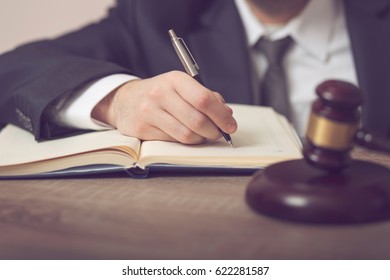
(166,217)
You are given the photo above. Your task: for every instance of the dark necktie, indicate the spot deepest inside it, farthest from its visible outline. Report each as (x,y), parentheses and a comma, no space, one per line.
(274,90)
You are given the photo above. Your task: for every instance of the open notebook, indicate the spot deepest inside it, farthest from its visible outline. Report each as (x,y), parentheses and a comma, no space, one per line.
(263,137)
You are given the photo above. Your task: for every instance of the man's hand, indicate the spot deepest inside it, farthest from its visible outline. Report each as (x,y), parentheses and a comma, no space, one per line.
(172,107)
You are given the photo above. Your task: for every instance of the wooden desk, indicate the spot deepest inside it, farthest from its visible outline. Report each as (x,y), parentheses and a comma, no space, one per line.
(166,217)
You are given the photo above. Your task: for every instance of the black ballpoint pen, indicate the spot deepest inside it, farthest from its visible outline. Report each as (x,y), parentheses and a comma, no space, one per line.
(191,67)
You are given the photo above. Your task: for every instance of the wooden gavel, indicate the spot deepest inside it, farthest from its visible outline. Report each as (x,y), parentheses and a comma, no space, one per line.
(327,186)
(334,126)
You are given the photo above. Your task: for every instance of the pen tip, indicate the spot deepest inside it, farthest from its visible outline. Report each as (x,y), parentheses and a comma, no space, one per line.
(231,143)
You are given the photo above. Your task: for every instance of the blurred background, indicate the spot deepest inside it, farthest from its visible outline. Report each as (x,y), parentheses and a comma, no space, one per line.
(23,21)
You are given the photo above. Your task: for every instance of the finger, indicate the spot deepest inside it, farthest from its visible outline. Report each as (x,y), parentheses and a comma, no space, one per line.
(206,102)
(175,128)
(190,117)
(219,97)
(143,131)
(222,100)
(150,132)
(154,133)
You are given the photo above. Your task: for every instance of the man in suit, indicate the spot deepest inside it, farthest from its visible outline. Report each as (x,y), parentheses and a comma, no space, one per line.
(118,72)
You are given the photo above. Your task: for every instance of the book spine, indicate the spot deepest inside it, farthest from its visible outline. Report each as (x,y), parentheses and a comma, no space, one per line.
(137,172)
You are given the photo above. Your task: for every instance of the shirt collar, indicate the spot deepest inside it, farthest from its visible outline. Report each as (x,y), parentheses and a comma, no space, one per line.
(313,38)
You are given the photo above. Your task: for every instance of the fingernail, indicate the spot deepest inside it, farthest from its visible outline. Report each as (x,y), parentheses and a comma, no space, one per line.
(231,127)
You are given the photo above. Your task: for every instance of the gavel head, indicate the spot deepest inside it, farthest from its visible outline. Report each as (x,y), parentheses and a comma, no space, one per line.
(333,122)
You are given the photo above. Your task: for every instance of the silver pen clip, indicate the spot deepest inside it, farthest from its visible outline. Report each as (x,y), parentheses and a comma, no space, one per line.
(184,54)
(189,52)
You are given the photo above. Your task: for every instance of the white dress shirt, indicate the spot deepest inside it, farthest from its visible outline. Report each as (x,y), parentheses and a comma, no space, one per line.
(321,51)
(75,110)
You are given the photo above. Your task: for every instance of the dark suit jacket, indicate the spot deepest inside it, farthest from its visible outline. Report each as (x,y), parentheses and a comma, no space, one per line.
(133,39)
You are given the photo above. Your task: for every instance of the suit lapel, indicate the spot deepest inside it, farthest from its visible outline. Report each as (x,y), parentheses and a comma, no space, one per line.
(219,46)
(373,7)
(368,24)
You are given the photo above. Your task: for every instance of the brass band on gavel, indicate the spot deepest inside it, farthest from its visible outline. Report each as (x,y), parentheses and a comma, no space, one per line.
(333,123)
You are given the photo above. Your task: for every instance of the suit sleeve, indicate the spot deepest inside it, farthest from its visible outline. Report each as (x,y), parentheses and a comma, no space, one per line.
(34,75)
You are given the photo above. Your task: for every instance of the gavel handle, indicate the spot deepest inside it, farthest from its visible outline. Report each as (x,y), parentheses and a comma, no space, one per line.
(372,141)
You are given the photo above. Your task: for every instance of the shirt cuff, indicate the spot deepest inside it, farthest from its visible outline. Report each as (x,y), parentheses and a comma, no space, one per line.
(76,110)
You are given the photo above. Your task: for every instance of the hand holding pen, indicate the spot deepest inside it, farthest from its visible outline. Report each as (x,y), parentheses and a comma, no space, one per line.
(171,106)
(191,67)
